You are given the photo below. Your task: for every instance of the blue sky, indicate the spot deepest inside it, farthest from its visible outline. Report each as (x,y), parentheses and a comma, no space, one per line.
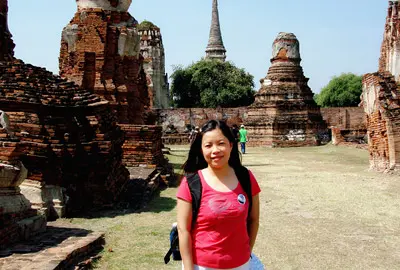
(335,36)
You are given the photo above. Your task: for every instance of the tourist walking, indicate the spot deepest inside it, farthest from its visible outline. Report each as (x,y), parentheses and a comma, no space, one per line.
(243,138)
(225,230)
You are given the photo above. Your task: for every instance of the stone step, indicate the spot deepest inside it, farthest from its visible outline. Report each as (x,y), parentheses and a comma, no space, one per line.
(62,246)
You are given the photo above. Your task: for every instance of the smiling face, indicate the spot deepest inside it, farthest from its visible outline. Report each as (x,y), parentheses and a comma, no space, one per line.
(216,149)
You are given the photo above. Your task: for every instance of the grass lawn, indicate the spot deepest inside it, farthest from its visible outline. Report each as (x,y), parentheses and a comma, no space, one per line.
(321,208)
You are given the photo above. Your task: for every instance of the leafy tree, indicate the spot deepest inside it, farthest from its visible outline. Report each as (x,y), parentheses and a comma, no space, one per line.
(211,83)
(341,91)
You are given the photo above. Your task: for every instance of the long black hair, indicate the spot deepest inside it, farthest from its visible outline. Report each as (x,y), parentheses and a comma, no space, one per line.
(196,161)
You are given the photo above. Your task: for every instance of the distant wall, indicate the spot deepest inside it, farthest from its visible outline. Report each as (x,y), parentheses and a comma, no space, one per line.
(348,118)
(182,117)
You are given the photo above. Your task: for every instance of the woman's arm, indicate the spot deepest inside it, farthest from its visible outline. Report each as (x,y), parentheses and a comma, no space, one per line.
(253,221)
(184,232)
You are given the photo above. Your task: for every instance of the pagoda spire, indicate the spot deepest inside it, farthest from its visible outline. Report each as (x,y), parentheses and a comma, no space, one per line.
(215,48)
(6,43)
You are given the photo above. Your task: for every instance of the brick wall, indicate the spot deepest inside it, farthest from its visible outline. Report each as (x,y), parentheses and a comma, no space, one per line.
(142,146)
(381,103)
(348,118)
(351,121)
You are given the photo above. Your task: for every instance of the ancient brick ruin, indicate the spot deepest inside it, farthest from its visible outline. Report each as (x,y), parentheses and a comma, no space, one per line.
(284,113)
(18,221)
(347,124)
(100,51)
(381,99)
(67,137)
(152,50)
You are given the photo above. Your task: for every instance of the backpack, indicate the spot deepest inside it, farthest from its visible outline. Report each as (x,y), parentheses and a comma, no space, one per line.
(195,188)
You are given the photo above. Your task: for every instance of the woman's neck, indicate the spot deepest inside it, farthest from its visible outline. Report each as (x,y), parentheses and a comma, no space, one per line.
(220,172)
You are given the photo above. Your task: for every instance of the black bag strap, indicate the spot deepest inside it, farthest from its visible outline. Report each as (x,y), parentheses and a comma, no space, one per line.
(195,187)
(167,256)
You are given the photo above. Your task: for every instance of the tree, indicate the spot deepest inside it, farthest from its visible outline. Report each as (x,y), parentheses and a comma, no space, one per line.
(341,91)
(211,83)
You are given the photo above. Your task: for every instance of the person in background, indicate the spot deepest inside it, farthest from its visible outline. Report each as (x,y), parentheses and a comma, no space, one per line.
(243,138)
(235,132)
(193,134)
(225,231)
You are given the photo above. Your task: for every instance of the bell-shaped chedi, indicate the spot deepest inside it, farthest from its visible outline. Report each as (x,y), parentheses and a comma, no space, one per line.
(381,98)
(67,138)
(284,113)
(100,51)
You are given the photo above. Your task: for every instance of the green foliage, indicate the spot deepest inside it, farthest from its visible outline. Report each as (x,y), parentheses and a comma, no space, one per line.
(211,83)
(146,25)
(341,91)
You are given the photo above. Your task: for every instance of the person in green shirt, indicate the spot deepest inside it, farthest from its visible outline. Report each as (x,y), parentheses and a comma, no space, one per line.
(243,138)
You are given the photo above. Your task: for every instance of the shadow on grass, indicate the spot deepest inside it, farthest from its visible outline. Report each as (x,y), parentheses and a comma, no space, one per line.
(159,204)
(154,204)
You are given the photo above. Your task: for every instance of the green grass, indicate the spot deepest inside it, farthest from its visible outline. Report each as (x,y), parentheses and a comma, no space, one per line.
(321,208)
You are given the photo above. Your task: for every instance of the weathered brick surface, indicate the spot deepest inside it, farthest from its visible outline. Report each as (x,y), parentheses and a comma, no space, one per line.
(381,99)
(62,246)
(67,136)
(64,133)
(389,57)
(142,146)
(352,118)
(100,52)
(152,50)
(181,119)
(10,231)
(284,113)
(347,124)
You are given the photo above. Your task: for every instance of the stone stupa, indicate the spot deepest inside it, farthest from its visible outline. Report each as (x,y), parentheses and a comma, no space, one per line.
(284,113)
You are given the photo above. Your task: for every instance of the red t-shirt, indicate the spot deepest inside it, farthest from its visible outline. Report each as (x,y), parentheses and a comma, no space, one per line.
(219,237)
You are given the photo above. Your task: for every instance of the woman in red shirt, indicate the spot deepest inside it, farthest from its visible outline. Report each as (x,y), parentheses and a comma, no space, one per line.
(223,235)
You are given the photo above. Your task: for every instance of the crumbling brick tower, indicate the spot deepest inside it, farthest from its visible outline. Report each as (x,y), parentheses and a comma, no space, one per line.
(100,51)
(152,50)
(67,137)
(381,98)
(284,113)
